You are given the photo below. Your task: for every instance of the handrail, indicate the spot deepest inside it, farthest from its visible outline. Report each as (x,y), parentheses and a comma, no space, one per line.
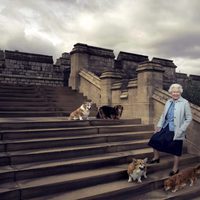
(90,77)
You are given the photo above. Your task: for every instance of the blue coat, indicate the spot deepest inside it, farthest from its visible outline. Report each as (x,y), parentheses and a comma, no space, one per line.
(182,117)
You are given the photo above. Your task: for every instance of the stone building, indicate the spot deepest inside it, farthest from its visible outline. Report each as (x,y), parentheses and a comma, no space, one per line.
(131,80)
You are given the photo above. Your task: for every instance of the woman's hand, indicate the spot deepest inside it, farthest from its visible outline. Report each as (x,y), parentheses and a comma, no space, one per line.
(157,129)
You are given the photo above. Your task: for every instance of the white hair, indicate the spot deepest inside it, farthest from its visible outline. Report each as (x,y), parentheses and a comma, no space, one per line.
(175,86)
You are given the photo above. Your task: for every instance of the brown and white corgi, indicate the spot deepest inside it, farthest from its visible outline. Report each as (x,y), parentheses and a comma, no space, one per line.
(82,112)
(137,169)
(180,180)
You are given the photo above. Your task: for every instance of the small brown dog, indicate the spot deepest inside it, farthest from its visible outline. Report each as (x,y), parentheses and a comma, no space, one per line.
(137,169)
(181,179)
(82,112)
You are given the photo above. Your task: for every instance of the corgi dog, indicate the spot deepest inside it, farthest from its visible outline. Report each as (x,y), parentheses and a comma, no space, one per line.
(181,179)
(82,112)
(137,169)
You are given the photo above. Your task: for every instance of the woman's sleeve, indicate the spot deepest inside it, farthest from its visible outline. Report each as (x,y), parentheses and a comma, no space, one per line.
(188,116)
(160,122)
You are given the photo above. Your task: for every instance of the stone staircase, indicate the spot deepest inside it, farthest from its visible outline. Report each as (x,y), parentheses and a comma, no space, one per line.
(38,101)
(50,158)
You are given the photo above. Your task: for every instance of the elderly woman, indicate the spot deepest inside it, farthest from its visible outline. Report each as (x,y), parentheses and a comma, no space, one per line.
(170,130)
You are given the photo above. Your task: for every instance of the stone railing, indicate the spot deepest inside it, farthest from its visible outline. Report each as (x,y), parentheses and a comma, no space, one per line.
(90,85)
(193,136)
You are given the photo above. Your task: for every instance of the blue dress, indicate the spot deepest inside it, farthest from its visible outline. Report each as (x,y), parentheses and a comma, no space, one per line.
(163,140)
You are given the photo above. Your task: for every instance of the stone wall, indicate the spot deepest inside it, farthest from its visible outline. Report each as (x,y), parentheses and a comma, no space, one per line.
(169,71)
(183,79)
(64,66)
(98,59)
(127,63)
(28,68)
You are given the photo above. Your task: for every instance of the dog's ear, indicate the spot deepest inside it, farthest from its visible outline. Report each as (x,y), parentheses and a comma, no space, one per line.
(145,160)
(134,160)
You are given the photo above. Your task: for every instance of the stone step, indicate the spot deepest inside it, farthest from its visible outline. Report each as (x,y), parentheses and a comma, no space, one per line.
(188,192)
(27,97)
(101,178)
(5,91)
(23,99)
(18,145)
(20,94)
(72,131)
(25,156)
(7,87)
(1,147)
(58,122)
(33,113)
(16,87)
(13,104)
(12,108)
(43,102)
(49,107)
(42,89)
(4,159)
(46,168)
(120,189)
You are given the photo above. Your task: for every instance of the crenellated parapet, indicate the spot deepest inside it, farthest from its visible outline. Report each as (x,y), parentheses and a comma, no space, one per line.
(169,71)
(128,63)
(29,69)
(28,57)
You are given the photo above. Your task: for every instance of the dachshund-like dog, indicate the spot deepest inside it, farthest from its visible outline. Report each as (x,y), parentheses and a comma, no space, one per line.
(108,112)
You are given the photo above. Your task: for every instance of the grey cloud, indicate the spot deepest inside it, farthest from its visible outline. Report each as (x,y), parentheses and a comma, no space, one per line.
(181,45)
(33,45)
(158,28)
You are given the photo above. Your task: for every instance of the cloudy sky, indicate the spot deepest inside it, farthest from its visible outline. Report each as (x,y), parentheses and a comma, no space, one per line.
(157,28)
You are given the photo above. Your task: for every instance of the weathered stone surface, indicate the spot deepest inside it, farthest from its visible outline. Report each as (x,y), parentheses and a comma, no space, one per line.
(27,68)
(29,57)
(91,50)
(1,55)
(164,62)
(194,77)
(132,57)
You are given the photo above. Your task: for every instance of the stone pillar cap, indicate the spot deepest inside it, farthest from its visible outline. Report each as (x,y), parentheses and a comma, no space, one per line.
(149,66)
(111,74)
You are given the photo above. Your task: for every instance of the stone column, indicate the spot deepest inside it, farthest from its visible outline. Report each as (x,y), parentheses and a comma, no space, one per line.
(107,79)
(149,77)
(79,60)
